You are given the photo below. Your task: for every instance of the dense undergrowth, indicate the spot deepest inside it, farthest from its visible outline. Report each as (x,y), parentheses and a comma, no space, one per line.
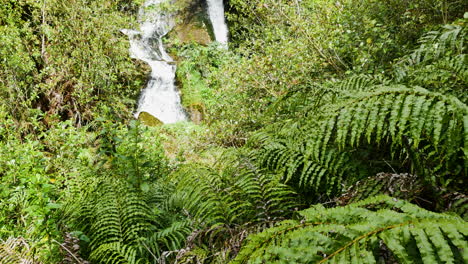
(333,131)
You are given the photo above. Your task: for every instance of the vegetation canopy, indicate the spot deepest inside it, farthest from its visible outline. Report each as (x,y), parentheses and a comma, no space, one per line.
(328,132)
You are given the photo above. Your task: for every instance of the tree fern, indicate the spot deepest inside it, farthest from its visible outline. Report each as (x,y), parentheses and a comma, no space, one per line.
(374,230)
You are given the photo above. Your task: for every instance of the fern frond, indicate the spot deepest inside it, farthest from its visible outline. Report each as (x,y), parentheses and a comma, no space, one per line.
(170,238)
(232,196)
(115,218)
(16,250)
(366,231)
(436,44)
(401,186)
(118,215)
(448,75)
(306,102)
(359,83)
(315,154)
(298,164)
(229,201)
(439,59)
(409,115)
(116,253)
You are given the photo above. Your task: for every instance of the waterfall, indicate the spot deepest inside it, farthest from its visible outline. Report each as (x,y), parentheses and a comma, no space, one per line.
(160,98)
(216,14)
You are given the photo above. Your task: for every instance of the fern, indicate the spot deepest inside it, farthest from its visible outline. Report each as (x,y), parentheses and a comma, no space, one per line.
(296,163)
(408,187)
(401,186)
(115,218)
(376,229)
(235,195)
(439,63)
(16,250)
(302,102)
(406,117)
(428,128)
(436,44)
(170,238)
(228,202)
(116,253)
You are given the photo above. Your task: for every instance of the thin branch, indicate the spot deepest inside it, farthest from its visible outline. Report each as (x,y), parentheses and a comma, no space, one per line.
(69,252)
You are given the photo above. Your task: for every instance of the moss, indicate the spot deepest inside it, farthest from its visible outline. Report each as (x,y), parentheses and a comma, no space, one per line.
(149,120)
(192,32)
(191,23)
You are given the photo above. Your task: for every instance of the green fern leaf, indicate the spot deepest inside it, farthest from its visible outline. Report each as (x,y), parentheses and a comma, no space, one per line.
(373,229)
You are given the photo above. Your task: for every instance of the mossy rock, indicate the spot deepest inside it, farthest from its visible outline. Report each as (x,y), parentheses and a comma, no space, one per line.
(188,33)
(149,120)
(193,23)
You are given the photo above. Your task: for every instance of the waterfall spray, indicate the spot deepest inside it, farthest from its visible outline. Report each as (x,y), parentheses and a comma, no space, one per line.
(160,98)
(216,14)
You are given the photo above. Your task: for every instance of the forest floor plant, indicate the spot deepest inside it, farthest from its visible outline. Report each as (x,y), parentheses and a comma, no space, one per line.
(317,109)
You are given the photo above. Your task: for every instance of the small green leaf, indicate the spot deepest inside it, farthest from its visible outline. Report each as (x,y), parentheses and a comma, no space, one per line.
(144,187)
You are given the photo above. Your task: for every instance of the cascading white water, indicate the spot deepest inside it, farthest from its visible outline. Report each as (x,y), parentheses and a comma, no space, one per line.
(160,98)
(216,14)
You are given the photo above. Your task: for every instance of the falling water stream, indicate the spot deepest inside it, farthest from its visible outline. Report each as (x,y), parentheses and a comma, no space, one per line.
(161,98)
(218,22)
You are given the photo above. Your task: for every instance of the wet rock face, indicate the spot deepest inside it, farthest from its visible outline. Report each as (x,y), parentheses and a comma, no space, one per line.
(149,120)
(192,23)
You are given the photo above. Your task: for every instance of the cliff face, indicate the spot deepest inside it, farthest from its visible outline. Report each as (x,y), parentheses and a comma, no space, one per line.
(192,23)
(192,26)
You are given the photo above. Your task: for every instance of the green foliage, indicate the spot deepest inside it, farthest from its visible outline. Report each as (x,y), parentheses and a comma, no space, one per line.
(428,128)
(235,199)
(286,46)
(233,196)
(67,59)
(121,210)
(125,225)
(196,75)
(138,156)
(28,193)
(16,250)
(331,90)
(374,230)
(440,62)
(405,116)
(117,218)
(36,172)
(122,224)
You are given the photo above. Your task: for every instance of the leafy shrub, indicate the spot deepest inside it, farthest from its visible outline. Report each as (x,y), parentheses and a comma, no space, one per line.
(67,59)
